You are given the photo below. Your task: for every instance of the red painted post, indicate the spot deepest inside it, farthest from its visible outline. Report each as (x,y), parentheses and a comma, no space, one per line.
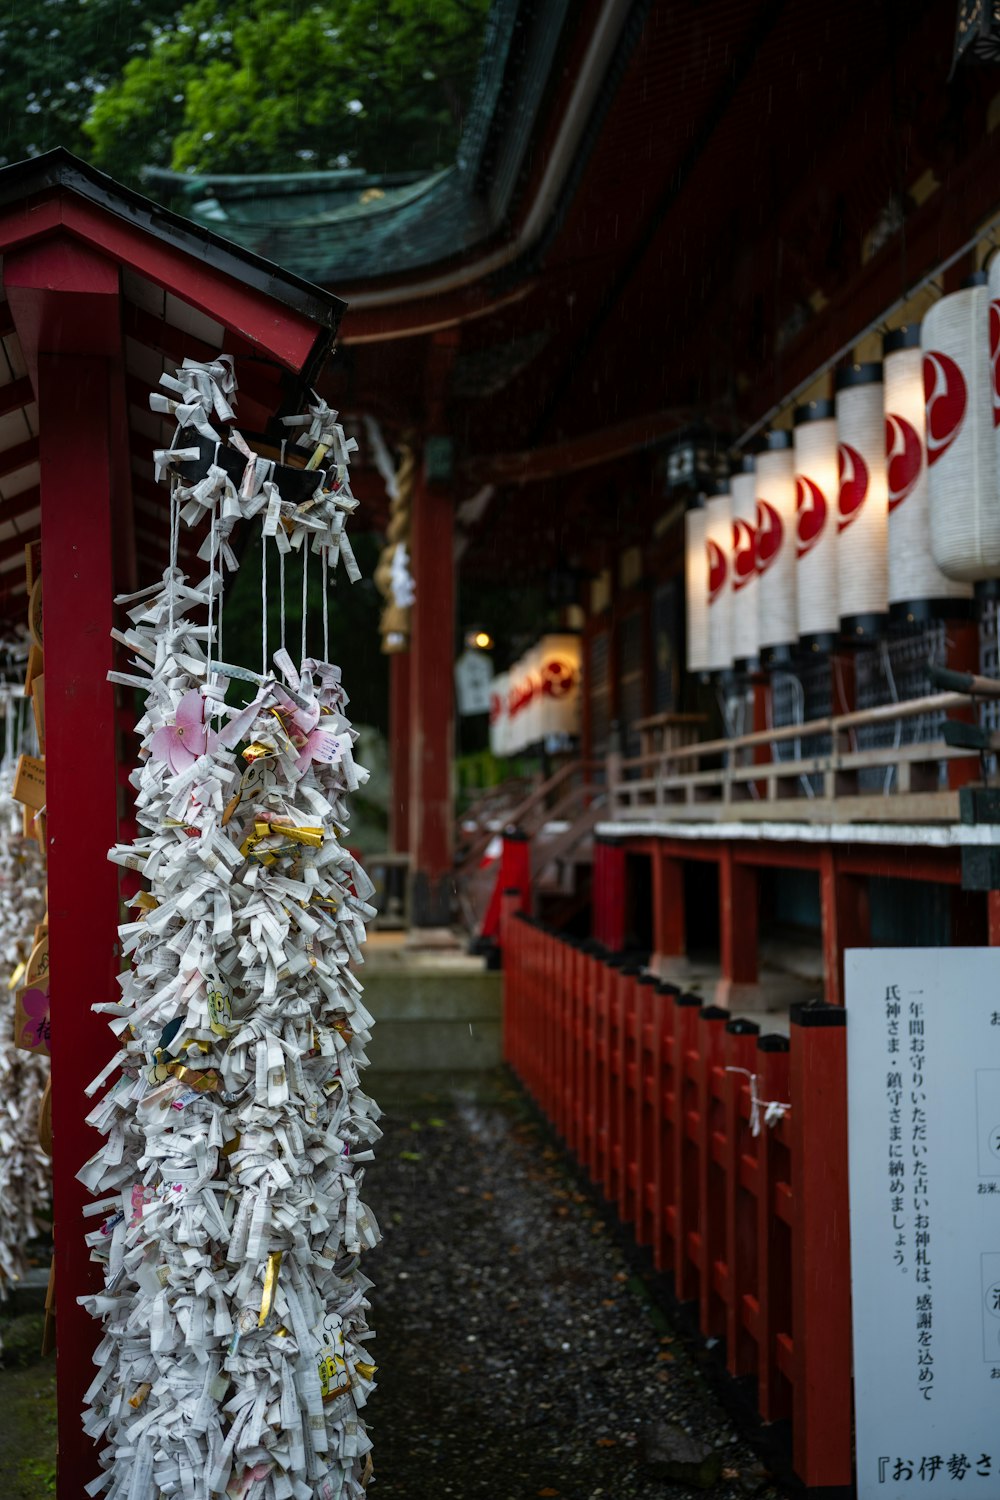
(64,300)
(431,704)
(682,1215)
(625,1133)
(82,812)
(772,1310)
(661,1160)
(608,894)
(711,1242)
(621,977)
(669,921)
(846,920)
(571,1024)
(595,1062)
(821,1282)
(993,917)
(606,1019)
(738,920)
(639,1107)
(399,751)
(551,949)
(741,1205)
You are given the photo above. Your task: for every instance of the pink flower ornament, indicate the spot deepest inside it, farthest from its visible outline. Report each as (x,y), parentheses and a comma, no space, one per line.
(181,743)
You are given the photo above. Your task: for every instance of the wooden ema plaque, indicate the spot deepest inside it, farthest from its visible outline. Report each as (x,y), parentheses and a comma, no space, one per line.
(31,1010)
(29,781)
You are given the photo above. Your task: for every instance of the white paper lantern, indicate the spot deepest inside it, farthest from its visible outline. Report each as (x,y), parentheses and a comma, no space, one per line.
(499,721)
(863,502)
(518,703)
(961,451)
(559,678)
(918,590)
(718,546)
(532,712)
(774,548)
(696,588)
(743,565)
(816,492)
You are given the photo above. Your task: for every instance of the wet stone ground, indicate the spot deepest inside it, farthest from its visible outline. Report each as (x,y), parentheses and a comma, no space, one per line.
(519,1353)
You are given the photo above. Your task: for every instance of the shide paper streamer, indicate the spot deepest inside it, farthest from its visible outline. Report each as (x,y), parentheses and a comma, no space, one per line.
(228,1219)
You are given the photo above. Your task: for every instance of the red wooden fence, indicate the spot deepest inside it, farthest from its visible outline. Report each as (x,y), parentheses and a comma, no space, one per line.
(638,1080)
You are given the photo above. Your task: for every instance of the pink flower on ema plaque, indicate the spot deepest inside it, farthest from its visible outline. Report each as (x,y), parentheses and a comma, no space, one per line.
(181,742)
(35,1033)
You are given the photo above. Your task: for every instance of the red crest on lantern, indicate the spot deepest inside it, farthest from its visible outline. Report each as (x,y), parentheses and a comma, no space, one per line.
(717,570)
(558,677)
(744,554)
(770,533)
(810,504)
(903,456)
(946,397)
(995,359)
(853,473)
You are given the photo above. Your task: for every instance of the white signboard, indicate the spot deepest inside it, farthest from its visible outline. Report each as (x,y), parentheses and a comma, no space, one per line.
(924,1117)
(473,676)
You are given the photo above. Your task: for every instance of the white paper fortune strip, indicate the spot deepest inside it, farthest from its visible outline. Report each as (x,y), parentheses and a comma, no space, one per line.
(228,1219)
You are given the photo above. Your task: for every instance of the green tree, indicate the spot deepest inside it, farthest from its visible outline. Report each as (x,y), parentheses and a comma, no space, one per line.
(284,87)
(56,58)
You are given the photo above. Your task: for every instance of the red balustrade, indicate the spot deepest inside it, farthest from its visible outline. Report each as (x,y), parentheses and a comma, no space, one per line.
(661,1100)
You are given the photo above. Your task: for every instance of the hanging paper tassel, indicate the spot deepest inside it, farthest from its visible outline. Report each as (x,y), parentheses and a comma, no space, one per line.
(229,1220)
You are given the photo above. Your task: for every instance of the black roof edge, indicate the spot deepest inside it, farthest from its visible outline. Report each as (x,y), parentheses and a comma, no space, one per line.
(59,168)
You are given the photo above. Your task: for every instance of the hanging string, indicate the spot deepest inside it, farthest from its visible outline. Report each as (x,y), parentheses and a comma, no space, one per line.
(175,526)
(218,629)
(263,601)
(281,587)
(305,597)
(326,607)
(211,598)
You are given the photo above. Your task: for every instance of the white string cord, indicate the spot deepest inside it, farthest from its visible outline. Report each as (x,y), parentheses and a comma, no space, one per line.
(175,522)
(263,602)
(326,606)
(305,598)
(770,1110)
(211,598)
(281,590)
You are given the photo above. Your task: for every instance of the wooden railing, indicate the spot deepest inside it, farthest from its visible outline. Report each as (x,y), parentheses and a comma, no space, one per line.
(548,801)
(745,777)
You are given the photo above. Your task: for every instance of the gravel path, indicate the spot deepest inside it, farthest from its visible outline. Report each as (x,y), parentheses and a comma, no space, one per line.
(519,1355)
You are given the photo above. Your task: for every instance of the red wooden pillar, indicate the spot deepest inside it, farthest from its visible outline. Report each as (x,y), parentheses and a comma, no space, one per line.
(739,1162)
(399,752)
(821,1283)
(669,927)
(846,921)
(431,716)
(64,300)
(609,915)
(738,921)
